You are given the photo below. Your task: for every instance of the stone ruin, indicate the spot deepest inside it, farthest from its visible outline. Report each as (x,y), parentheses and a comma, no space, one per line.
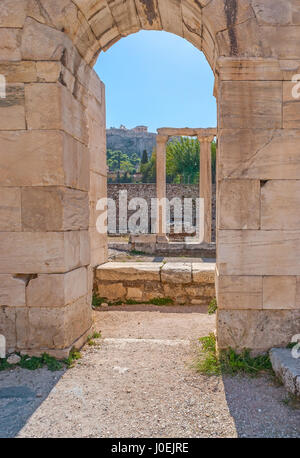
(53,170)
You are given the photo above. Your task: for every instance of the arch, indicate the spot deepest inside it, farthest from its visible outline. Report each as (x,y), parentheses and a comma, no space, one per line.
(52,134)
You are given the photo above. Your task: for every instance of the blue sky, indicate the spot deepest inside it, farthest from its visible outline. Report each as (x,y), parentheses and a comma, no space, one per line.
(157,79)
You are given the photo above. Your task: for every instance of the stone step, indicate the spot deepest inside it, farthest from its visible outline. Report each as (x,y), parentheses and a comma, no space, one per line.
(287,368)
(183,282)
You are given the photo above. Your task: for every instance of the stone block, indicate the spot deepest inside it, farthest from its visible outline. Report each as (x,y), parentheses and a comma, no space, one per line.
(266,105)
(85,248)
(98,187)
(54,209)
(57,290)
(48,72)
(97,147)
(19,72)
(76,163)
(10,209)
(265,154)
(99,249)
(8,326)
(258,330)
(9,44)
(280,203)
(12,108)
(236,293)
(51,158)
(170,15)
(250,69)
(135,293)
(251,252)
(129,271)
(40,252)
(111,291)
(203,272)
(41,42)
(241,40)
(269,13)
(52,106)
(239,203)
(178,272)
(125,16)
(149,14)
(12,291)
(215,9)
(286,368)
(13,13)
(58,328)
(281,42)
(291,107)
(279,292)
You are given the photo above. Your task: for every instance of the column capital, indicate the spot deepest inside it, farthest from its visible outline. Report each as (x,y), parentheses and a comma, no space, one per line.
(206,138)
(162,138)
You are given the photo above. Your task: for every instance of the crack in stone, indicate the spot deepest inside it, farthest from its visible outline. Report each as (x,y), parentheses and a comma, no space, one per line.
(250,161)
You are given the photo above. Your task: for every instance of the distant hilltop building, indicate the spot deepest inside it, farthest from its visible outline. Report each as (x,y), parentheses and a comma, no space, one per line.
(131,141)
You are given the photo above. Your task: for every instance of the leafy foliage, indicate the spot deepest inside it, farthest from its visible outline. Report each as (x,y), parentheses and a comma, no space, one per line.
(154,301)
(182,162)
(228,361)
(212,307)
(118,161)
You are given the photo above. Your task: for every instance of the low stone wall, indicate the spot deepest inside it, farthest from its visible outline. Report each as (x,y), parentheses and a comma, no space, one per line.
(184,283)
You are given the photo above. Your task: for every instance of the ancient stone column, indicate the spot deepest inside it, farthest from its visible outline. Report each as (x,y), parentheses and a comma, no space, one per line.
(205,183)
(161,142)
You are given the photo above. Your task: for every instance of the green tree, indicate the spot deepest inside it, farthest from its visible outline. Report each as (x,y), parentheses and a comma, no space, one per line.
(144,157)
(148,170)
(182,162)
(116,160)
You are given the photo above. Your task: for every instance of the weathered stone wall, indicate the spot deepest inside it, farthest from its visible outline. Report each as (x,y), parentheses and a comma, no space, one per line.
(48,244)
(147,191)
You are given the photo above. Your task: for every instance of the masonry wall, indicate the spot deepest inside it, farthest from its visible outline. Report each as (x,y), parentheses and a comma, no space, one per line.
(147,191)
(47,237)
(258,241)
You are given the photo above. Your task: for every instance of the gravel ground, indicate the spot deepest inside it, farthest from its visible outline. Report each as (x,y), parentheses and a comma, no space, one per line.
(138,382)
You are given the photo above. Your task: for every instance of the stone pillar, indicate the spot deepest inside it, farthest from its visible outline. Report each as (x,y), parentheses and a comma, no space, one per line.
(205,184)
(161,142)
(258,200)
(98,168)
(45,273)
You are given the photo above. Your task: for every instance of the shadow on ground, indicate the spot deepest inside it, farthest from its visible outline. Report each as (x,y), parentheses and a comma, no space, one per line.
(259,407)
(21,393)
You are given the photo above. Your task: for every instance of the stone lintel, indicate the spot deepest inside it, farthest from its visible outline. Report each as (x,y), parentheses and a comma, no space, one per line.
(187,131)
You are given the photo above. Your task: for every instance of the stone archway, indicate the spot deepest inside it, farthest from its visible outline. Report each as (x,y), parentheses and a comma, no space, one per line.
(51,163)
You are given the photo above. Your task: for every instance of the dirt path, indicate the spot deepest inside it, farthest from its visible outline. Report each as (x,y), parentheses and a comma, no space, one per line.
(138,382)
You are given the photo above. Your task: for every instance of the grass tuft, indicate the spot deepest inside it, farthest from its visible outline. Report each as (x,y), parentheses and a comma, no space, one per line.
(98,301)
(73,356)
(229,362)
(212,308)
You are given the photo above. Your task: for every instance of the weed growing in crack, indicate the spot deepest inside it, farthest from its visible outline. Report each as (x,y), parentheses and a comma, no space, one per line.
(210,362)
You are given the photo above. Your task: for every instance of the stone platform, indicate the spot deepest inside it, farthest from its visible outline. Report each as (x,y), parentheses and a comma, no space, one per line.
(287,369)
(184,283)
